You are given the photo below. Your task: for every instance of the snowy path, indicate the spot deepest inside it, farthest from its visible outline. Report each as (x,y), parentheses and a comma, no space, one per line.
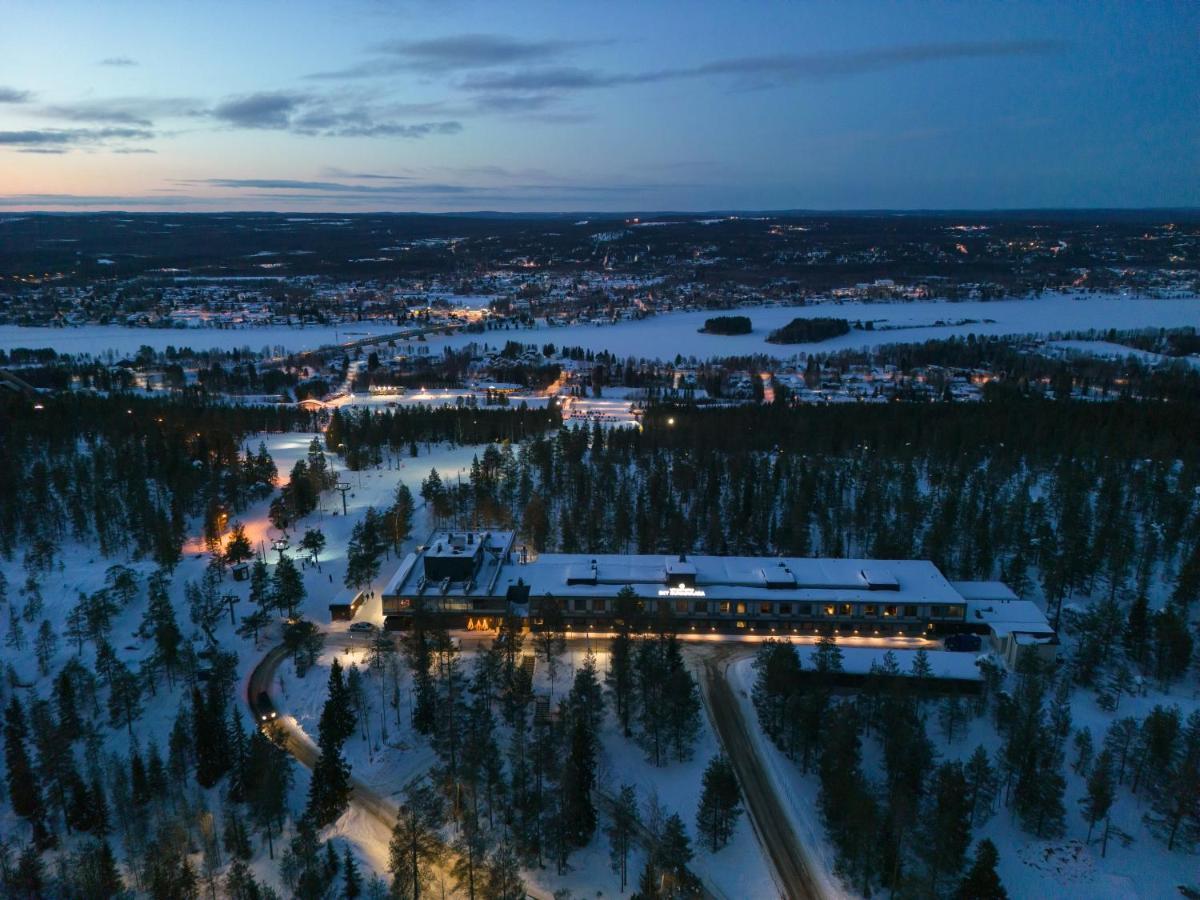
(790,860)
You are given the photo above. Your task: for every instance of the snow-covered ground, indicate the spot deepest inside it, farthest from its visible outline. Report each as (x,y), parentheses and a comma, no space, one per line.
(1110,350)
(82,569)
(100,339)
(737,870)
(1066,867)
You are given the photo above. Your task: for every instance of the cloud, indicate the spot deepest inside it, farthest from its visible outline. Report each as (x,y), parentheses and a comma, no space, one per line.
(307,115)
(12,95)
(141,111)
(69,137)
(77,200)
(331,187)
(451,53)
(118,62)
(262,110)
(335,172)
(755,71)
(358,121)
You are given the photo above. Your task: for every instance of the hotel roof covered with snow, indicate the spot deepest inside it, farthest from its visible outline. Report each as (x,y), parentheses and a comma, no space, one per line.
(470,579)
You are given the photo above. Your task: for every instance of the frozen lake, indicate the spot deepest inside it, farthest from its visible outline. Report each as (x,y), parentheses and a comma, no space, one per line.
(666,335)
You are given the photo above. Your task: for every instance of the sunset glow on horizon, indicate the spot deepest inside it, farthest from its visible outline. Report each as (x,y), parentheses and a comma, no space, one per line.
(542,106)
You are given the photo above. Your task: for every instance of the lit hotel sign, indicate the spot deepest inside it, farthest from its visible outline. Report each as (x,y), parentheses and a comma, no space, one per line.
(681,591)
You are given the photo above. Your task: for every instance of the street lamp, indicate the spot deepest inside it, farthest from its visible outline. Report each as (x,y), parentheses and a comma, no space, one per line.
(279,545)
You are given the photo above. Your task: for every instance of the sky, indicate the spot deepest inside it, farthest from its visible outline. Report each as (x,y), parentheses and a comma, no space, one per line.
(416,105)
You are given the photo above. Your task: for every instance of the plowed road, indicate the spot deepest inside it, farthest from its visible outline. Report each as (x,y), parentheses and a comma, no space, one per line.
(767,814)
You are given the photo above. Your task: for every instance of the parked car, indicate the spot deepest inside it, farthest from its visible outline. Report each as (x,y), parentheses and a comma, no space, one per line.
(963,643)
(362,627)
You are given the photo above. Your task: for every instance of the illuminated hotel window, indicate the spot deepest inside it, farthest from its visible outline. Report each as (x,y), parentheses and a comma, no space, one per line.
(871,610)
(846,609)
(889,612)
(741,624)
(741,608)
(725,606)
(830,609)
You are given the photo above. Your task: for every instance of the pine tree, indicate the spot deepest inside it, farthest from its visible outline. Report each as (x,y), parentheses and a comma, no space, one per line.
(159,623)
(210,740)
(29,880)
(240,883)
(400,516)
(268,779)
(504,875)
(97,872)
(1174,815)
(329,790)
(981,881)
(648,882)
(673,850)
(45,645)
(262,594)
(237,549)
(313,543)
(1098,800)
(352,885)
(124,697)
(288,586)
(622,830)
(416,846)
(578,781)
(1083,751)
(720,800)
(981,785)
(621,679)
(337,716)
(946,830)
(24,787)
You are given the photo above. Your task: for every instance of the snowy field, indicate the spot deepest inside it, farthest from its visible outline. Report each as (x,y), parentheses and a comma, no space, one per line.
(666,335)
